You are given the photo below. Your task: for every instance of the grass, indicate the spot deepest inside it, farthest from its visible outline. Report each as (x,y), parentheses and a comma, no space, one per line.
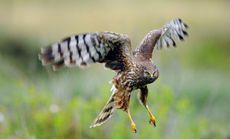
(59,105)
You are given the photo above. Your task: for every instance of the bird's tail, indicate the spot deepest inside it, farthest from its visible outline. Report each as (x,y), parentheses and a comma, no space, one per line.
(107,111)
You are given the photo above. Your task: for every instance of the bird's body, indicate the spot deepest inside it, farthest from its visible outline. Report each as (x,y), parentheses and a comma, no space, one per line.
(134,70)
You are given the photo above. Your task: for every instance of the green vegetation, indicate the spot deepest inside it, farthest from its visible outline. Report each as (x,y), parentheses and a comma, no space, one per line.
(191,98)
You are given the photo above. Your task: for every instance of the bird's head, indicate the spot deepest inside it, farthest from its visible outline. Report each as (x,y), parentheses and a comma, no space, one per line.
(151,73)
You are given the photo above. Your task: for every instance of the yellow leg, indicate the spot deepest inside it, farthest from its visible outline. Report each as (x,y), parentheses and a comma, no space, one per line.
(132,123)
(152,119)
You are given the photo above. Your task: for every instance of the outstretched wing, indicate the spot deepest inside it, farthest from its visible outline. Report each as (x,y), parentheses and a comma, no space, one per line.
(165,36)
(174,30)
(80,50)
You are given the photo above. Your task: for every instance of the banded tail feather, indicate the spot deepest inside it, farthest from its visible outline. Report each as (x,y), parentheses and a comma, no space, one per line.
(107,111)
(78,50)
(171,32)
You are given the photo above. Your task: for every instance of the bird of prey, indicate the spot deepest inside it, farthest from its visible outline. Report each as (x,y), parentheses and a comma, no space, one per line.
(134,69)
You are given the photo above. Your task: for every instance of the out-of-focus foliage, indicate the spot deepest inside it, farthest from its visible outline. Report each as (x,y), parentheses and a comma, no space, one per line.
(191,98)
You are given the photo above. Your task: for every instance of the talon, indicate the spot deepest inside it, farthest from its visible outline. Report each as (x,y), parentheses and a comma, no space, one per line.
(152,121)
(134,128)
(132,123)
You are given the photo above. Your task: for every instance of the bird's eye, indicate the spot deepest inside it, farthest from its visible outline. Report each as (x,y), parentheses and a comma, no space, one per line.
(147,73)
(155,74)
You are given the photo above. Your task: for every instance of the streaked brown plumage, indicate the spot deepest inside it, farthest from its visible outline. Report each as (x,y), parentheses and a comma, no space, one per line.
(134,70)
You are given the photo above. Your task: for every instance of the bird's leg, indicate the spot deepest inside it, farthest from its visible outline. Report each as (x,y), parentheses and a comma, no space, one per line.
(133,125)
(152,119)
(122,100)
(143,99)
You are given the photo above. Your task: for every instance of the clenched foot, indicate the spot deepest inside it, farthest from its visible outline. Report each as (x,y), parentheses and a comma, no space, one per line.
(134,129)
(152,120)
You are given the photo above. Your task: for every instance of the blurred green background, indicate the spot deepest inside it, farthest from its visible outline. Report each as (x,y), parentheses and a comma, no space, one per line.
(191,99)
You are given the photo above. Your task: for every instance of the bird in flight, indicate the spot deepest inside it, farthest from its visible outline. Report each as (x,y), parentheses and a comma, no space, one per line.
(134,69)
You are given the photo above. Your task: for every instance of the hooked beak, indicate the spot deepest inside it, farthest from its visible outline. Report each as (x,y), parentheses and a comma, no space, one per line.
(152,75)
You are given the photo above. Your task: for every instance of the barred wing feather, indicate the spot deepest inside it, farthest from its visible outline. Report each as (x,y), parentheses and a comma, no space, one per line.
(87,48)
(171,32)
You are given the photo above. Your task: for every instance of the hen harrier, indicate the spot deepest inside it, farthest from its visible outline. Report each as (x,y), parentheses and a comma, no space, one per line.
(134,69)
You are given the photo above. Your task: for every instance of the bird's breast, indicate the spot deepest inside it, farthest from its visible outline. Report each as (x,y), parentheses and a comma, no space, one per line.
(132,79)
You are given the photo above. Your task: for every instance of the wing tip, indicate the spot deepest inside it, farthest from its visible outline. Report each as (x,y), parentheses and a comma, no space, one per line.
(186,25)
(174,43)
(182,22)
(181,37)
(41,58)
